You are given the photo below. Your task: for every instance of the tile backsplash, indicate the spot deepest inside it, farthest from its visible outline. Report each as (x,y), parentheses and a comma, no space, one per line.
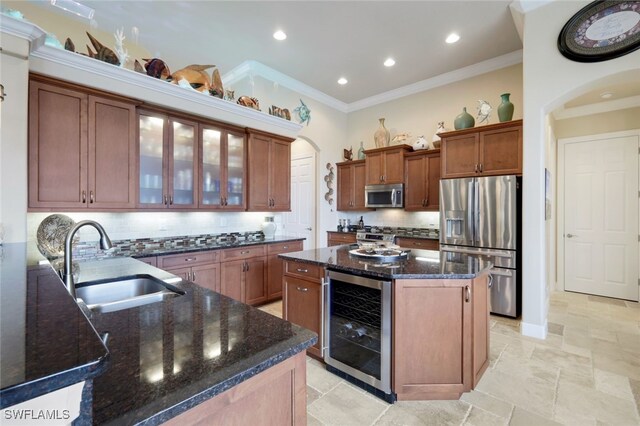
(394,218)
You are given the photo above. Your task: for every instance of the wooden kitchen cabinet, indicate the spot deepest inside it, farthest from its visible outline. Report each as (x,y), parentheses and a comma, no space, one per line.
(243,274)
(491,150)
(340,238)
(275,266)
(269,172)
(222,179)
(168,161)
(385,165)
(417,243)
(203,268)
(303,299)
(422,181)
(351,182)
(81,149)
(451,316)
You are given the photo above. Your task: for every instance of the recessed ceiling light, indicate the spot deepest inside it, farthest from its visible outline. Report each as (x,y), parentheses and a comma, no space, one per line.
(389,62)
(606,95)
(342,81)
(452,38)
(279,35)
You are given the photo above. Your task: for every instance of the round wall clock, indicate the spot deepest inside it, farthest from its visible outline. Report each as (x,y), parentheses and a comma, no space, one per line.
(601,30)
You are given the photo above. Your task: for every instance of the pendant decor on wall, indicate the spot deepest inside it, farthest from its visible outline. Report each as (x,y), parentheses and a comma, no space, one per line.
(328,196)
(600,31)
(304,113)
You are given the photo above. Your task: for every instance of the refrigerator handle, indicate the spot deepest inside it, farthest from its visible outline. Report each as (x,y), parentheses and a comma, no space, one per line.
(476,209)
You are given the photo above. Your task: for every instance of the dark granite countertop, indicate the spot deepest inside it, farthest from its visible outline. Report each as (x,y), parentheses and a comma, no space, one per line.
(418,264)
(213,245)
(168,357)
(47,343)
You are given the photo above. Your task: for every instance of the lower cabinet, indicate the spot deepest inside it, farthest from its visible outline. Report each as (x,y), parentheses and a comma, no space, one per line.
(441,337)
(203,268)
(340,238)
(243,274)
(275,266)
(303,299)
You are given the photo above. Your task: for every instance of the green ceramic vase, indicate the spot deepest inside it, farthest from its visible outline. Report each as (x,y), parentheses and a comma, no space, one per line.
(505,110)
(464,120)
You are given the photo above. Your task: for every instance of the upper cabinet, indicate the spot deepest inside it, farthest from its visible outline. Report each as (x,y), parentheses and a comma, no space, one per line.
(269,172)
(422,181)
(490,150)
(81,149)
(168,161)
(222,180)
(385,165)
(351,178)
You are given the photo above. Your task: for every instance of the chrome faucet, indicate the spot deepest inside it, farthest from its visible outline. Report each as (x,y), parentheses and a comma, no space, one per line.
(105,244)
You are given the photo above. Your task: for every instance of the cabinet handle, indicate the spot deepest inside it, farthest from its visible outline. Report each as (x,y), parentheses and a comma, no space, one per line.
(490,281)
(476,168)
(467,293)
(246,266)
(165,200)
(481,167)
(245,252)
(171,199)
(302,270)
(91,197)
(302,289)
(84,197)
(190,259)
(193,276)
(426,201)
(226,201)
(285,247)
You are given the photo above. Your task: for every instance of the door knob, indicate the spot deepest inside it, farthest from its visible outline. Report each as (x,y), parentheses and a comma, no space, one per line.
(571,235)
(309,229)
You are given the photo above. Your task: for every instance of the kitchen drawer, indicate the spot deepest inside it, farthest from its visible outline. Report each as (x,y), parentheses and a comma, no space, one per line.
(343,237)
(304,270)
(153,261)
(418,243)
(243,252)
(186,260)
(288,247)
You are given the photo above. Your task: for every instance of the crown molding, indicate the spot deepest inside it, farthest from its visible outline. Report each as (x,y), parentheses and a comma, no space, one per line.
(255,68)
(597,108)
(80,69)
(22,29)
(440,80)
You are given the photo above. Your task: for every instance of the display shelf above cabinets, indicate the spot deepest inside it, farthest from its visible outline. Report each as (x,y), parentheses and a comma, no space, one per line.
(222,180)
(495,149)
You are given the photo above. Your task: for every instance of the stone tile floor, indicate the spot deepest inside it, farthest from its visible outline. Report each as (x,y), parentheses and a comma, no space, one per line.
(587,372)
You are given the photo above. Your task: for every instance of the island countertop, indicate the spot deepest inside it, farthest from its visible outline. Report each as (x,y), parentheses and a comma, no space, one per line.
(168,357)
(425,264)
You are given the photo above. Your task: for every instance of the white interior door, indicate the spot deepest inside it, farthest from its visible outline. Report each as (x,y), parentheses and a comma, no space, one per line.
(601,216)
(301,221)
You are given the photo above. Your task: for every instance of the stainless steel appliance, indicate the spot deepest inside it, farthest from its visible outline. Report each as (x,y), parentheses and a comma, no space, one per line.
(377,246)
(384,196)
(358,331)
(482,216)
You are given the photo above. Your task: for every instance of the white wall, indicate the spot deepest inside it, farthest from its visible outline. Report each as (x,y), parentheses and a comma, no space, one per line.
(14,69)
(549,80)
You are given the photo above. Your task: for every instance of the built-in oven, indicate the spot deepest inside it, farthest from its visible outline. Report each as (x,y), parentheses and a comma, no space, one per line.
(358,331)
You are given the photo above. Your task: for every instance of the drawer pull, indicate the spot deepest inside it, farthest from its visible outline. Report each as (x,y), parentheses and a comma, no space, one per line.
(245,252)
(190,259)
(302,289)
(467,295)
(302,270)
(285,247)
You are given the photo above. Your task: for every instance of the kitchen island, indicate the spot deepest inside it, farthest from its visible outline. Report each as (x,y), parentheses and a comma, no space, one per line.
(438,324)
(197,356)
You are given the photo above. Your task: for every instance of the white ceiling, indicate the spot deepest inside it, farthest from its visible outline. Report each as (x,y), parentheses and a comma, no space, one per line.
(326,40)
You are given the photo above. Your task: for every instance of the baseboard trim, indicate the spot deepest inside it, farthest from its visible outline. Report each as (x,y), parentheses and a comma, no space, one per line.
(534,330)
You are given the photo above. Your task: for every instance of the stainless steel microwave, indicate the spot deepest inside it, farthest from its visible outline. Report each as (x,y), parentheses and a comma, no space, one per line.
(378,196)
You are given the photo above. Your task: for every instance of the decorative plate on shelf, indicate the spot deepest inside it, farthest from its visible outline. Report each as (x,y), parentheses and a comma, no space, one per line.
(600,31)
(51,235)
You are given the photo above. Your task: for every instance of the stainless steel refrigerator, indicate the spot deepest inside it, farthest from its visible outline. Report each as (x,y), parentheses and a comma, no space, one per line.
(482,216)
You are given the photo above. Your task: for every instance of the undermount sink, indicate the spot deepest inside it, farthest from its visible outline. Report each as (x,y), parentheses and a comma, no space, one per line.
(124,292)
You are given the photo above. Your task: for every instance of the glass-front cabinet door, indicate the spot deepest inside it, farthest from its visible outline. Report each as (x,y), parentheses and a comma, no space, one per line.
(183,168)
(223,181)
(152,139)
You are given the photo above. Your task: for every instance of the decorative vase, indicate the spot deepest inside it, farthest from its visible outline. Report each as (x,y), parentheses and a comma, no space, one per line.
(505,110)
(269,227)
(382,135)
(464,120)
(361,154)
(420,143)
